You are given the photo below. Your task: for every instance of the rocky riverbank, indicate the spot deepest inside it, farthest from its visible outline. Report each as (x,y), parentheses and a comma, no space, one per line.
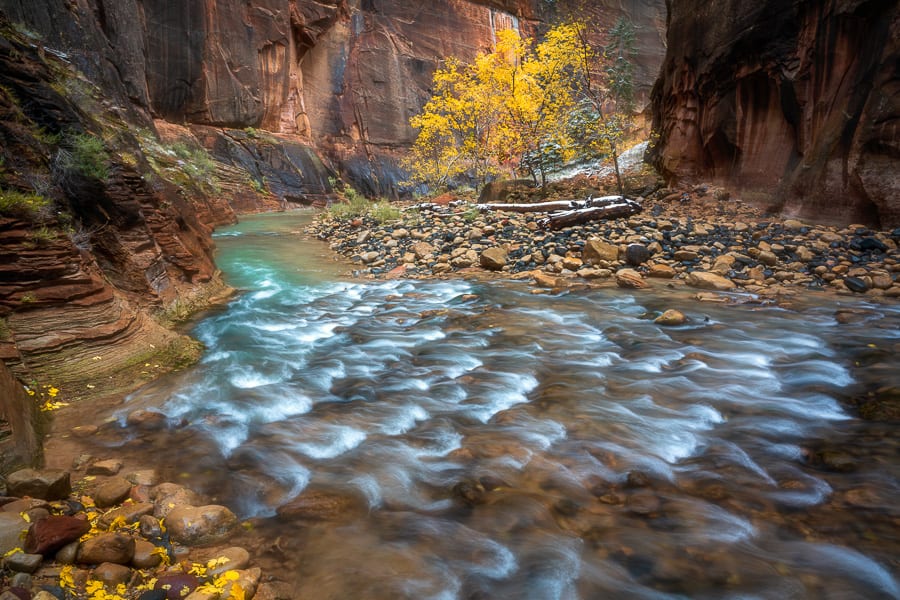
(117,535)
(699,237)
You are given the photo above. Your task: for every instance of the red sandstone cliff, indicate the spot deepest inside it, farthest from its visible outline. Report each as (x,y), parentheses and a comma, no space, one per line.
(796,102)
(282,93)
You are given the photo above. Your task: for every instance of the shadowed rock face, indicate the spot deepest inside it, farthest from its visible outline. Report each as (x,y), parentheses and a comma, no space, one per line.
(795,101)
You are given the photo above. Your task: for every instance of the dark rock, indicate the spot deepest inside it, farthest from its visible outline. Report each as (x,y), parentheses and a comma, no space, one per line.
(176,585)
(869,244)
(49,535)
(636,254)
(23,563)
(855,284)
(47,485)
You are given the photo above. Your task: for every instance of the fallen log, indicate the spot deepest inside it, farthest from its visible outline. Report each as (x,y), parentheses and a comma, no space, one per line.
(622,208)
(551,206)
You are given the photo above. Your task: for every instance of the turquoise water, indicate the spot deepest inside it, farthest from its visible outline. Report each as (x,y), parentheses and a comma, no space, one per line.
(480,441)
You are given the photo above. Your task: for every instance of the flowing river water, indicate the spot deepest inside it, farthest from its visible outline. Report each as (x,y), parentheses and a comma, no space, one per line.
(474,440)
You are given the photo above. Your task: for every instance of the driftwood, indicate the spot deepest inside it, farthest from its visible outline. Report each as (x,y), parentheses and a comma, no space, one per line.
(550,206)
(565,213)
(623,207)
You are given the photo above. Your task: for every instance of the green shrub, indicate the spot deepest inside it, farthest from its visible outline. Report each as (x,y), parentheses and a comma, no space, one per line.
(384,211)
(356,206)
(22,205)
(42,236)
(89,156)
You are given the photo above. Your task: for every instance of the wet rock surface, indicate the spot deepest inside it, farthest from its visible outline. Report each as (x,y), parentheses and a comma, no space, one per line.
(71,547)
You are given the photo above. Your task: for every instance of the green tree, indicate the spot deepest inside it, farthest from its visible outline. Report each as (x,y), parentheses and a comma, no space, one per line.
(606,106)
(526,107)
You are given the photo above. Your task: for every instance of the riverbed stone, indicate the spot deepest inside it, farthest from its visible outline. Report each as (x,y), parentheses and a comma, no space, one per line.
(106,468)
(50,534)
(49,484)
(166,496)
(671,317)
(107,547)
(493,259)
(631,279)
(22,562)
(146,420)
(145,555)
(112,492)
(131,512)
(661,271)
(550,280)
(636,254)
(708,281)
(196,525)
(176,585)
(596,250)
(112,574)
(856,284)
(318,506)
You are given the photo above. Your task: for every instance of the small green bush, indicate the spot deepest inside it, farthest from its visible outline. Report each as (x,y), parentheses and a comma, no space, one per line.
(42,236)
(22,205)
(384,211)
(89,156)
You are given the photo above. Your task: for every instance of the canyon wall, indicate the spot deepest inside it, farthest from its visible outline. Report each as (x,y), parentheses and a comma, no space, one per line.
(797,103)
(201,109)
(341,76)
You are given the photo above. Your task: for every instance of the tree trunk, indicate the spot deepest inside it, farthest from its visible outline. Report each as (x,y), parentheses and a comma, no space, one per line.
(551,206)
(558,220)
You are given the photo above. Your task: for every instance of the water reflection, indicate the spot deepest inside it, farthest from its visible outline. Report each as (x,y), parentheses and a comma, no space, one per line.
(469,440)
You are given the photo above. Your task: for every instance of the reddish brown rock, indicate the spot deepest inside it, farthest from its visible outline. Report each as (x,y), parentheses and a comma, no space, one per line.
(115,548)
(49,535)
(793,101)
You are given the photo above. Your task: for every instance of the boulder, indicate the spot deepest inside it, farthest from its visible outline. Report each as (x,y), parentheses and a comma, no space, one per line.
(167,496)
(106,468)
(671,318)
(112,492)
(146,420)
(661,271)
(636,254)
(115,548)
(708,281)
(47,485)
(50,534)
(196,525)
(595,251)
(493,259)
(629,278)
(21,562)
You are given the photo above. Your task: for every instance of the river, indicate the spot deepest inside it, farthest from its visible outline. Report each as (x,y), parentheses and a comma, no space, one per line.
(481,441)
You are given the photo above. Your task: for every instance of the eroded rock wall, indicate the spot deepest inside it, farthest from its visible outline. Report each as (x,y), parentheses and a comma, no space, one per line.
(798,103)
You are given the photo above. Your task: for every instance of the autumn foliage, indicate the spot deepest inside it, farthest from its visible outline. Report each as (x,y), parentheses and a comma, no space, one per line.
(525,107)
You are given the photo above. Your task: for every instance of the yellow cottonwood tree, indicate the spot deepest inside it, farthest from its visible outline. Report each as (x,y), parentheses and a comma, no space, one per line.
(512,109)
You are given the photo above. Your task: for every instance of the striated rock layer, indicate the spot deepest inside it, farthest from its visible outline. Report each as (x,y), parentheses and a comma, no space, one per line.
(796,102)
